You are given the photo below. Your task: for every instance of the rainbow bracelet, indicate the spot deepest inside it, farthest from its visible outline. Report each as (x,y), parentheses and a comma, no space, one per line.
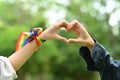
(27,37)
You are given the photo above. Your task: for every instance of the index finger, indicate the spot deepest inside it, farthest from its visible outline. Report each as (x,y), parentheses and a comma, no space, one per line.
(72,25)
(62,23)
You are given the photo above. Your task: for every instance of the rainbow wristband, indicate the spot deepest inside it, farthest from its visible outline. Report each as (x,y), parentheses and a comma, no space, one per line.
(27,37)
(39,41)
(42,40)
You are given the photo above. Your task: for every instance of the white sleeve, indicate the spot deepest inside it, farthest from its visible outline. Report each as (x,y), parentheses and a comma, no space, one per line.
(7,71)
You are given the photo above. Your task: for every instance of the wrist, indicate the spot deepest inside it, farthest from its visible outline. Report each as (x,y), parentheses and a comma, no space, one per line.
(91,44)
(42,36)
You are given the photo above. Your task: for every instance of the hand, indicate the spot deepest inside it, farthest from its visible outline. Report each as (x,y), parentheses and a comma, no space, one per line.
(83,37)
(51,33)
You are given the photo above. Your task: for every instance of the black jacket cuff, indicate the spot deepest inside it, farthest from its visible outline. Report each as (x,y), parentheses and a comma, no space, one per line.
(85,53)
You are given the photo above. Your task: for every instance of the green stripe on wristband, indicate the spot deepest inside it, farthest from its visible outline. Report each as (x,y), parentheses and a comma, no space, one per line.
(42,40)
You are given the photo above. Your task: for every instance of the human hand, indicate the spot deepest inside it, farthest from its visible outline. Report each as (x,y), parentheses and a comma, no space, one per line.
(51,33)
(83,37)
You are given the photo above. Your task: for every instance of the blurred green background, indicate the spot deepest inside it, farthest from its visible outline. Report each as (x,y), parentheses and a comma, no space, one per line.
(56,60)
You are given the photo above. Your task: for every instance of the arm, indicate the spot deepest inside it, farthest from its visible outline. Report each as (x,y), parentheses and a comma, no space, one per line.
(85,40)
(98,59)
(21,56)
(95,55)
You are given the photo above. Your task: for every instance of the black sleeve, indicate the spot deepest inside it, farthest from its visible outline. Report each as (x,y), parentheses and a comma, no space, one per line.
(85,53)
(98,59)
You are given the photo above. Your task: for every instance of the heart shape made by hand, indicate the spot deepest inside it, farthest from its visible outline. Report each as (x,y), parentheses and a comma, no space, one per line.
(67,34)
(52,33)
(83,37)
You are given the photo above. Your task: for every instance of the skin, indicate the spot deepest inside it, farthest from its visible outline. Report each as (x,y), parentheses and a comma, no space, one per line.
(51,33)
(21,56)
(83,38)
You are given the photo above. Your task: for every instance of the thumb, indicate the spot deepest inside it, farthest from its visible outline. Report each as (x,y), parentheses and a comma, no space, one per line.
(73,40)
(61,38)
(79,41)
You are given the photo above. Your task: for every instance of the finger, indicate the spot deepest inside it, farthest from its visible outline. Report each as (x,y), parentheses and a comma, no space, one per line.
(61,38)
(75,22)
(62,23)
(69,27)
(79,41)
(72,25)
(73,40)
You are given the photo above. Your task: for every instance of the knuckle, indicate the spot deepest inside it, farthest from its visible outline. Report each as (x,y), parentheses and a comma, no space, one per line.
(76,22)
(64,22)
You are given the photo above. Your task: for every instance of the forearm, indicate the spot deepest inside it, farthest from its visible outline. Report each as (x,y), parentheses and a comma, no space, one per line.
(91,44)
(21,56)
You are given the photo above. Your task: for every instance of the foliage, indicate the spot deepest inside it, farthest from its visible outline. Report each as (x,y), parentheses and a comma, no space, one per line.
(56,60)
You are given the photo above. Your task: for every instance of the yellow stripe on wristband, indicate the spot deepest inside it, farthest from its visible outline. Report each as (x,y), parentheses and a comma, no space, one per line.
(27,37)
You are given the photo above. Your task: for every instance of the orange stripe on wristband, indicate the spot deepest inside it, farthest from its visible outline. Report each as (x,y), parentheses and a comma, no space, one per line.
(26,37)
